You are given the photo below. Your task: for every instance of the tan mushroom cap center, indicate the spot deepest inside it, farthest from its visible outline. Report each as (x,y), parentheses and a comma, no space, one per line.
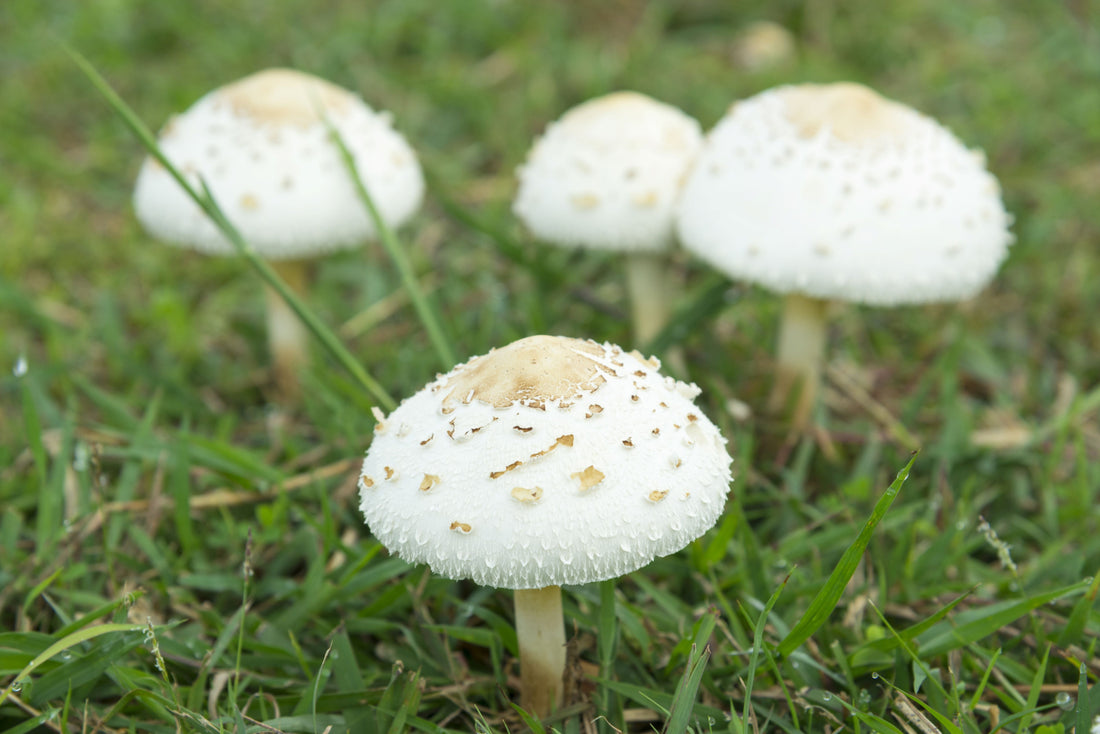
(284,97)
(535,370)
(625,105)
(852,112)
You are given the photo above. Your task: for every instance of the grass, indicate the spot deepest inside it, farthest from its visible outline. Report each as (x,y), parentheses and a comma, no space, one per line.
(177,555)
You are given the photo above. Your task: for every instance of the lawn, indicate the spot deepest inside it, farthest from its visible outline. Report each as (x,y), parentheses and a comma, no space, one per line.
(179,553)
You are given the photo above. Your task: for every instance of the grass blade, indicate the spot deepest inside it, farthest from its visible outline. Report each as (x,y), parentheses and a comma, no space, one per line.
(974,624)
(757,643)
(63,644)
(1073,632)
(428,316)
(825,601)
(1083,711)
(683,699)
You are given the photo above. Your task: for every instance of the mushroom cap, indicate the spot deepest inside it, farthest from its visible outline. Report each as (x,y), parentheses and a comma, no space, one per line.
(608,173)
(262,147)
(838,193)
(549,461)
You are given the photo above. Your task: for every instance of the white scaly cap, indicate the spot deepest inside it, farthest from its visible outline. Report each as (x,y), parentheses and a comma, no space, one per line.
(835,192)
(608,173)
(264,151)
(549,461)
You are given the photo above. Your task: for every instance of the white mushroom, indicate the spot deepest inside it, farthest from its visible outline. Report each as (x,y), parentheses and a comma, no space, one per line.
(607,176)
(832,192)
(533,484)
(262,147)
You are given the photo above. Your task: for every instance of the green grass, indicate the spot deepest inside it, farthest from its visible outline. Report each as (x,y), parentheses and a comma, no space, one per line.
(175,554)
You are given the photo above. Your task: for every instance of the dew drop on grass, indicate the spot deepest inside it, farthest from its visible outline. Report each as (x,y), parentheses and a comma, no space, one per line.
(17,686)
(826,697)
(20,368)
(1064,701)
(874,675)
(66,655)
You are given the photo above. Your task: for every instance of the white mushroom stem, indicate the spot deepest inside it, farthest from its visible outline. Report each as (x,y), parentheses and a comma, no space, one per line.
(286,334)
(541,636)
(798,363)
(650,294)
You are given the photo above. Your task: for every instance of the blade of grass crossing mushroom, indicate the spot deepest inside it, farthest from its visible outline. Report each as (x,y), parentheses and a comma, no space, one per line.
(205,200)
(825,601)
(424,310)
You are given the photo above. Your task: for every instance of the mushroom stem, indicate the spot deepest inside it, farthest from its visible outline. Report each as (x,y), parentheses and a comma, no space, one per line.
(286,334)
(541,635)
(650,294)
(800,353)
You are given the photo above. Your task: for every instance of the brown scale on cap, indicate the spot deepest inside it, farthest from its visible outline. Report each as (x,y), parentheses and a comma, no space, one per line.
(532,372)
(657,496)
(566,440)
(461,527)
(430,480)
(505,470)
(852,112)
(527,495)
(427,440)
(284,97)
(589,477)
(368,482)
(390,473)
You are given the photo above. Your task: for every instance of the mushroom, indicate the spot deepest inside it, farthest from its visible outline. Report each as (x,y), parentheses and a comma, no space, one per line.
(606,176)
(832,192)
(546,462)
(262,146)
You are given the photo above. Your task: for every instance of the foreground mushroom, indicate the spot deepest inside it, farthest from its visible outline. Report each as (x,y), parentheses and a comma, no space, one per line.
(832,192)
(549,461)
(606,176)
(262,147)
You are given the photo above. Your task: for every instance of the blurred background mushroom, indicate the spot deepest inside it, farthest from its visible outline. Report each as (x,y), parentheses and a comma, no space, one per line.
(546,462)
(262,146)
(606,176)
(833,193)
